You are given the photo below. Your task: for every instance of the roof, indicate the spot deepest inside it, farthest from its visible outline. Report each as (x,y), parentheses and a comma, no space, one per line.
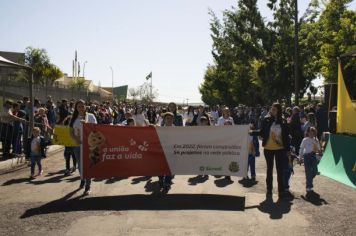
(9,64)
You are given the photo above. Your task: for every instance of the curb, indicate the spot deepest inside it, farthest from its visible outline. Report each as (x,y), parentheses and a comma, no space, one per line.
(15,164)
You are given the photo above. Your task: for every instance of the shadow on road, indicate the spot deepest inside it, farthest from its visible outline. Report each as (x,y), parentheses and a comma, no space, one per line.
(314,198)
(276,210)
(40,180)
(140,179)
(141,202)
(222,183)
(114,179)
(198,179)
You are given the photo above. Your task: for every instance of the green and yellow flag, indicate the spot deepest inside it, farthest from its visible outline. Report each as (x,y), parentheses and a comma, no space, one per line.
(346,109)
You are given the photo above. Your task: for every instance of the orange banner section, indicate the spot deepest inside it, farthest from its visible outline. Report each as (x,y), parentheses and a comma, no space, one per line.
(114,151)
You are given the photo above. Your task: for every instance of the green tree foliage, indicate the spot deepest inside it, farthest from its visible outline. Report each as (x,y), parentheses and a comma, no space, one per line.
(237,43)
(78,84)
(52,73)
(44,72)
(337,33)
(254,59)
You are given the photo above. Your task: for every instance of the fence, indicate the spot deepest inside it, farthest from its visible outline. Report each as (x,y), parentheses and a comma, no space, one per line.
(13,138)
(16,89)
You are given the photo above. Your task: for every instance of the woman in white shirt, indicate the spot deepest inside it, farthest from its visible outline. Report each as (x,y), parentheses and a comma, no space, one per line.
(140,118)
(80,116)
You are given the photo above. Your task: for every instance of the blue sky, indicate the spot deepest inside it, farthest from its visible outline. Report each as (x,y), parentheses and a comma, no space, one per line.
(171,38)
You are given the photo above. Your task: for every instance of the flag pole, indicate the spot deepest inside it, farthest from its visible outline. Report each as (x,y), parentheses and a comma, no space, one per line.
(151,85)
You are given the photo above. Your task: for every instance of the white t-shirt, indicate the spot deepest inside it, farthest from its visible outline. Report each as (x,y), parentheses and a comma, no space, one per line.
(215,116)
(188,117)
(77,125)
(5,116)
(223,121)
(140,120)
(309,145)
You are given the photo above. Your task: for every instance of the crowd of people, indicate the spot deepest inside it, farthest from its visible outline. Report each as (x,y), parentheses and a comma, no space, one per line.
(287,133)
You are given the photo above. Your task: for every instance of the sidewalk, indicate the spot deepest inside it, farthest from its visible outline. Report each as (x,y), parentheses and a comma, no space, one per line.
(16,163)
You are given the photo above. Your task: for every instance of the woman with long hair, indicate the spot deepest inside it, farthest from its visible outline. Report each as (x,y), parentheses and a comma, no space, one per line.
(80,116)
(275,140)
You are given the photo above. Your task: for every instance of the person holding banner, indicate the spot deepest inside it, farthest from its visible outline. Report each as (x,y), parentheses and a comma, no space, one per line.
(276,142)
(165,182)
(80,116)
(226,119)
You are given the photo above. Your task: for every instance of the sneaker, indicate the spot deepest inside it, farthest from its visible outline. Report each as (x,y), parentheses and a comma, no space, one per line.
(87,191)
(67,173)
(40,172)
(32,176)
(288,194)
(82,183)
(166,187)
(228,178)
(253,178)
(73,169)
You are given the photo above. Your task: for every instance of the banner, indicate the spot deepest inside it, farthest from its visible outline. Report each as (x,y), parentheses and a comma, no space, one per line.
(346,110)
(61,136)
(116,151)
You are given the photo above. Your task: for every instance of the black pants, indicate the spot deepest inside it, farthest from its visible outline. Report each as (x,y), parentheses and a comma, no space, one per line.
(68,154)
(6,138)
(279,156)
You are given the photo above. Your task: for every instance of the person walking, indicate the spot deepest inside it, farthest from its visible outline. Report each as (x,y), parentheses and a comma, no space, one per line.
(80,116)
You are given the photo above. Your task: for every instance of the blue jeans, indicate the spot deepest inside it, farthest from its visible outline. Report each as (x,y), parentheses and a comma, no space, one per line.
(36,159)
(252,165)
(167,179)
(77,157)
(311,168)
(287,173)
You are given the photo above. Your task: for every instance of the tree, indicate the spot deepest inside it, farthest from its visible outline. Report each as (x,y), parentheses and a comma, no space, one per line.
(337,35)
(145,93)
(237,43)
(78,84)
(134,93)
(39,61)
(52,73)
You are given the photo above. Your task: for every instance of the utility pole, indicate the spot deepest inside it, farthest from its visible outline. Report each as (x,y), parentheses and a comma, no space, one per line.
(112,81)
(296,53)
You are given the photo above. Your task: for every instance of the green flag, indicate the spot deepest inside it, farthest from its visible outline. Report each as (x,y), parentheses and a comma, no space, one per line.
(149,76)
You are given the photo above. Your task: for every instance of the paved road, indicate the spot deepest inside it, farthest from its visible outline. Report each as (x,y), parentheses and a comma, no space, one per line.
(52,205)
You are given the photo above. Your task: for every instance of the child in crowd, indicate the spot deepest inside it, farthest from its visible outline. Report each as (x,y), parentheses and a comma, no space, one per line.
(309,149)
(253,152)
(37,151)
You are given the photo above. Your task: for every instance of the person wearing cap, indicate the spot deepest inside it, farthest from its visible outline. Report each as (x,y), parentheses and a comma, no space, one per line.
(177,118)
(197,117)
